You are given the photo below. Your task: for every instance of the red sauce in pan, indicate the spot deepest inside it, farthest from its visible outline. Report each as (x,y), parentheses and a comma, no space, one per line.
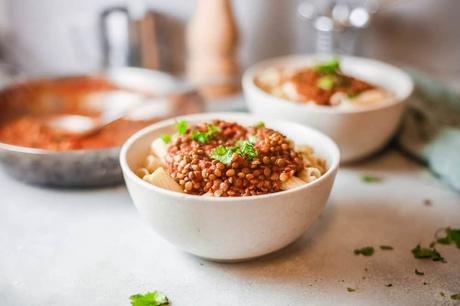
(24,109)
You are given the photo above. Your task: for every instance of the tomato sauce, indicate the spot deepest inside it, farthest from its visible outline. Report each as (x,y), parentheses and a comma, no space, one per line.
(25,108)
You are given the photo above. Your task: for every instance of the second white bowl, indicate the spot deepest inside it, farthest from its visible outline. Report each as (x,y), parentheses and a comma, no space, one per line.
(358,132)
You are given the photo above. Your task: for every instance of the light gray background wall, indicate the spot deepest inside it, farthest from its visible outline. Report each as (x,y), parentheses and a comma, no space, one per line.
(60,35)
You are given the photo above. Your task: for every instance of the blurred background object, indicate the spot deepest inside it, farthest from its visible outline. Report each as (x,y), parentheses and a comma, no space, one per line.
(51,36)
(212,38)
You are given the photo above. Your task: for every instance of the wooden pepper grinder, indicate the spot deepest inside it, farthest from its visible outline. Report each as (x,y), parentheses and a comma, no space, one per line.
(212,39)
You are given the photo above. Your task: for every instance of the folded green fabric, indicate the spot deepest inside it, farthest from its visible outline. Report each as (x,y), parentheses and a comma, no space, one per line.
(431,127)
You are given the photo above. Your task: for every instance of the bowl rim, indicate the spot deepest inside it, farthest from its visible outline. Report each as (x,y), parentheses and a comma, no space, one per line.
(249,85)
(107,74)
(127,171)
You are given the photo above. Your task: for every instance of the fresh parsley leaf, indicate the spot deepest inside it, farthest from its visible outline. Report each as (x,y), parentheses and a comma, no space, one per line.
(326,82)
(427,253)
(351,95)
(455,297)
(367,178)
(417,272)
(366,251)
(212,129)
(166,138)
(351,289)
(199,136)
(246,149)
(451,236)
(252,139)
(386,247)
(181,126)
(152,298)
(204,137)
(259,125)
(331,66)
(222,154)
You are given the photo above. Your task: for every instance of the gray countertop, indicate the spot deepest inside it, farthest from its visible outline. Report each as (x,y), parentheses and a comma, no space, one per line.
(74,247)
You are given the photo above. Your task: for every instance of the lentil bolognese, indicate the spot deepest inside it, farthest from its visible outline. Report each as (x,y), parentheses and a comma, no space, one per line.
(322,84)
(225,159)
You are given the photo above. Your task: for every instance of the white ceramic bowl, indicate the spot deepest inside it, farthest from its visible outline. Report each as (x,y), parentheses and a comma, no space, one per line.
(358,132)
(229,229)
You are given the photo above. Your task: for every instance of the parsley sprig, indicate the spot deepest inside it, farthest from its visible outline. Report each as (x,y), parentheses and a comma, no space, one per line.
(244,148)
(420,252)
(331,66)
(181,126)
(326,82)
(204,137)
(368,178)
(166,138)
(452,235)
(152,298)
(366,251)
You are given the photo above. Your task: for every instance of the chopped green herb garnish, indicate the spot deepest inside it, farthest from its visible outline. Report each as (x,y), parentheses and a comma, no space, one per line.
(181,126)
(351,289)
(389,285)
(455,297)
(419,273)
(326,82)
(245,148)
(451,236)
(366,251)
(442,294)
(331,66)
(222,154)
(386,247)
(204,137)
(351,95)
(370,178)
(252,139)
(427,253)
(153,298)
(166,138)
(259,125)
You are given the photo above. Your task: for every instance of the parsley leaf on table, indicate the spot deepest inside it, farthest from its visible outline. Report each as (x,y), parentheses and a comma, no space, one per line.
(181,126)
(366,251)
(417,272)
(452,236)
(351,289)
(367,178)
(152,298)
(427,253)
(455,297)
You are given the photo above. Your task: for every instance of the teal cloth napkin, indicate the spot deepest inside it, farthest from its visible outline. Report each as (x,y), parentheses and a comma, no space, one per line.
(431,127)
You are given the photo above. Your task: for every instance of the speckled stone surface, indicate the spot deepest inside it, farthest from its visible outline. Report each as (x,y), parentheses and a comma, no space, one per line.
(90,247)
